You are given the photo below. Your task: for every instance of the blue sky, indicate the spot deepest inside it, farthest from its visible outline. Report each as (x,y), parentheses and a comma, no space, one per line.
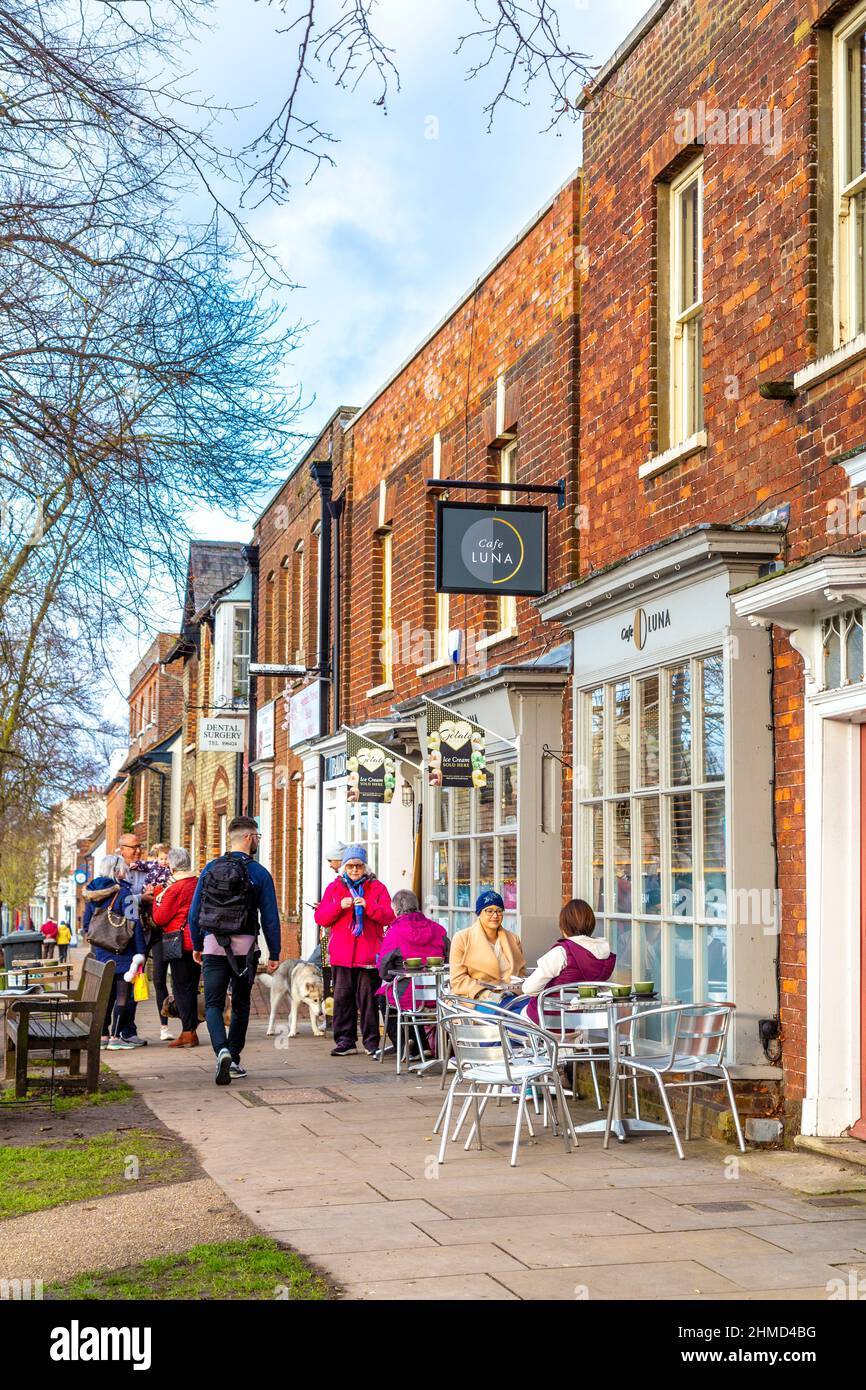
(384,243)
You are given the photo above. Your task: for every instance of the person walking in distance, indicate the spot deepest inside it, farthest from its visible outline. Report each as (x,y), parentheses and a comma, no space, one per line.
(233,899)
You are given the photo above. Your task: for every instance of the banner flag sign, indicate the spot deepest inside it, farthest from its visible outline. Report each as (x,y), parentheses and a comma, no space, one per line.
(222,736)
(491,550)
(371,773)
(455,749)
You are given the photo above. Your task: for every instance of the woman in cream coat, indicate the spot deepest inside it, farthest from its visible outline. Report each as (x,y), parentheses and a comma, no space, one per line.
(485,955)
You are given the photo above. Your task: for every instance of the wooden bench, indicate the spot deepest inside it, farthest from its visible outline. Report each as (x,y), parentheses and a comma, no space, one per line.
(34,972)
(62,1027)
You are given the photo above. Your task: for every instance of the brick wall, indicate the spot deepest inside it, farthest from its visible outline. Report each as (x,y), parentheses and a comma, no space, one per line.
(519,323)
(761,320)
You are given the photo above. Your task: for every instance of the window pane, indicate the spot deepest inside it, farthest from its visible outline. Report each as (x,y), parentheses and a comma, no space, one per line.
(858,231)
(681,726)
(461,920)
(622,742)
(619,936)
(460,807)
(689,247)
(855,650)
(440,874)
(441,812)
(508,794)
(486,867)
(715,875)
(693,385)
(715,984)
(682,901)
(713,681)
(856,107)
(508,870)
(649,946)
(622,854)
(596,900)
(648,735)
(832,657)
(462,874)
(484,806)
(597,734)
(650,867)
(684,963)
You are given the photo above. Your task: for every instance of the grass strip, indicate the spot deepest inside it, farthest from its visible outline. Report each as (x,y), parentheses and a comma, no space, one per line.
(232,1270)
(35,1177)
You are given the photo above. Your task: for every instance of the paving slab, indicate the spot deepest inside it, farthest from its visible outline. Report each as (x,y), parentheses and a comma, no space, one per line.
(354,1184)
(468,1288)
(654,1280)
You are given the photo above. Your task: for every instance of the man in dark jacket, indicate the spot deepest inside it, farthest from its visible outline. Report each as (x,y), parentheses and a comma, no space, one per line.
(230,955)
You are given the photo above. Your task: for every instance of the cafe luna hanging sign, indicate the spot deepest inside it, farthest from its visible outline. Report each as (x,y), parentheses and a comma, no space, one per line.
(455,749)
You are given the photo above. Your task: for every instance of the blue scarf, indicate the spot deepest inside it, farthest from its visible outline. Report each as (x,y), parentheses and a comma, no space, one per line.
(357,891)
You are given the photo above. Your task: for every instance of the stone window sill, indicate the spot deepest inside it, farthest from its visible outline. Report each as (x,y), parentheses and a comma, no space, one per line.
(503,635)
(830,363)
(693,445)
(380,690)
(439,664)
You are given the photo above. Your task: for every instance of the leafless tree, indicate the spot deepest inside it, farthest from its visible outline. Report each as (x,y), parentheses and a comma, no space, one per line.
(519,43)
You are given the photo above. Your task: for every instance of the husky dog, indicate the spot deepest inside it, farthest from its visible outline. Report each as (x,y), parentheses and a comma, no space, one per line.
(299,983)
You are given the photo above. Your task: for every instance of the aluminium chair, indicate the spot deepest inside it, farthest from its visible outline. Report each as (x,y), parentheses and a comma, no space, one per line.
(696,1052)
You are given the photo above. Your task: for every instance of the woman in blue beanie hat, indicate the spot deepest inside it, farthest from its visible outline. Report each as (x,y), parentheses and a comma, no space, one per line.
(357,908)
(485,958)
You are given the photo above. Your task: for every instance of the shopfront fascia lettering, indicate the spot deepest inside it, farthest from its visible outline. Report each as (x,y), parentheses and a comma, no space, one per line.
(645,622)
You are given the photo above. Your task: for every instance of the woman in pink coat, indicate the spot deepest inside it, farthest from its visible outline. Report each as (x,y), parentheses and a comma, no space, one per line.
(357,908)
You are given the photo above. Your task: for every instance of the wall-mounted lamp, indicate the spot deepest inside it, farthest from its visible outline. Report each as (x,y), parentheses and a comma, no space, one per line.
(408,794)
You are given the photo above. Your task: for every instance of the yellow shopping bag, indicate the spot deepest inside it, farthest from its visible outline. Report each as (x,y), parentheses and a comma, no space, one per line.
(140,990)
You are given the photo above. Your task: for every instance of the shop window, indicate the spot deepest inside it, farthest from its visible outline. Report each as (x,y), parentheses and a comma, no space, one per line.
(842,638)
(362,828)
(849,134)
(473,845)
(653,825)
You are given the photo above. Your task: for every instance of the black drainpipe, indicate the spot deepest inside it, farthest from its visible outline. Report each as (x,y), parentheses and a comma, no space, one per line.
(322,473)
(252,557)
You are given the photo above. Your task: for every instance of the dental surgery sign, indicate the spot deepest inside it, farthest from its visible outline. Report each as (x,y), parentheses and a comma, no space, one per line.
(490,550)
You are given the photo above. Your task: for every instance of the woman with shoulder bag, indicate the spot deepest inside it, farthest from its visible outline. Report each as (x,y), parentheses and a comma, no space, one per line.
(171,913)
(114,931)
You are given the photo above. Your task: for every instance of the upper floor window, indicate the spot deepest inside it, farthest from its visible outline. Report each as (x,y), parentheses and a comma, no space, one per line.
(849,106)
(297,617)
(686,317)
(232,655)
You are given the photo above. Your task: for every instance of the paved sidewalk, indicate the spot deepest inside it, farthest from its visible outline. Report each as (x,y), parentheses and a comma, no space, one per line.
(336,1157)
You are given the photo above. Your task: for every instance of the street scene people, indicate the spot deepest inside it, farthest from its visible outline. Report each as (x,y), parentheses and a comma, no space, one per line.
(112,922)
(356,908)
(170,912)
(487,960)
(234,900)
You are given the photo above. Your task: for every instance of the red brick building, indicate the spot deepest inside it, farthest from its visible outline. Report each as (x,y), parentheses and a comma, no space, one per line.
(140,796)
(290,573)
(718,617)
(489,396)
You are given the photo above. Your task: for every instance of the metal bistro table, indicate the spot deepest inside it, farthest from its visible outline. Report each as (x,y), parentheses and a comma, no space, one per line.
(583,1010)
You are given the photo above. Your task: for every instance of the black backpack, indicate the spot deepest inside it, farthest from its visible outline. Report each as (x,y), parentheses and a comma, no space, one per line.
(227,907)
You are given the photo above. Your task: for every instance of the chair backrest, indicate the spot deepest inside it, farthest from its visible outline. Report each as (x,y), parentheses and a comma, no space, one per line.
(557,1013)
(91,978)
(496,1038)
(423,989)
(702,1032)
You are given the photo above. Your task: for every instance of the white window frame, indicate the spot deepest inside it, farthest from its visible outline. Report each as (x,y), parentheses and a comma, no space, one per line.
(448,914)
(684,391)
(848,276)
(225,624)
(386,630)
(665,915)
(507,603)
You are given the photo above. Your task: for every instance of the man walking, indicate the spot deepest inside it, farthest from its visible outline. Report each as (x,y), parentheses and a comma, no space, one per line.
(129,848)
(234,897)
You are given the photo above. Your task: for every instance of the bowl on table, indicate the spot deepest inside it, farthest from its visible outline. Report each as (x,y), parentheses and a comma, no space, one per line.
(435,960)
(413,962)
(587,991)
(620,991)
(644,987)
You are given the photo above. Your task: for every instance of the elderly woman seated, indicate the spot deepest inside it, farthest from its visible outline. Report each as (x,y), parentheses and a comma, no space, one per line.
(486,960)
